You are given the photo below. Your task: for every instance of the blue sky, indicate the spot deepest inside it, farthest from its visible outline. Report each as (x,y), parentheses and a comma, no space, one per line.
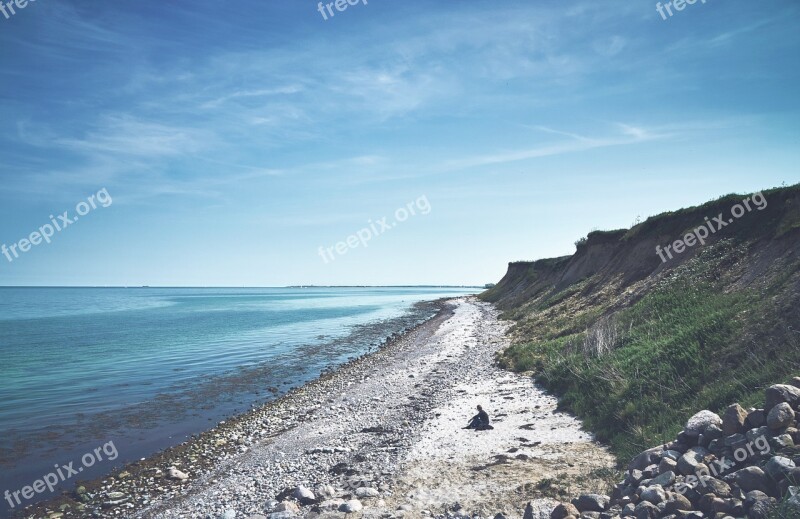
(236,138)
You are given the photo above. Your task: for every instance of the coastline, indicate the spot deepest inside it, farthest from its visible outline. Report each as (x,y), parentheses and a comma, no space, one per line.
(378,437)
(247,428)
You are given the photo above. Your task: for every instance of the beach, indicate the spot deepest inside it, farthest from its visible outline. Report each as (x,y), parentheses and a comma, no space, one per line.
(379,437)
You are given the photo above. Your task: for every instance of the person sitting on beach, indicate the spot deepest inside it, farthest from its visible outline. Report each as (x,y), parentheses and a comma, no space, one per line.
(479,422)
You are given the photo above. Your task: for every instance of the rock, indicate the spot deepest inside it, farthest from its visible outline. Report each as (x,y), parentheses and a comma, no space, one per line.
(352,506)
(667,465)
(324,491)
(795,382)
(762,509)
(782,393)
(777,467)
(646,510)
(174,473)
(228,514)
(654,494)
(664,480)
(687,464)
(751,478)
(331,505)
(561,511)
(646,458)
(591,502)
(366,492)
(700,421)
(781,442)
(780,416)
(288,506)
(304,495)
(733,420)
(756,418)
(676,502)
(715,486)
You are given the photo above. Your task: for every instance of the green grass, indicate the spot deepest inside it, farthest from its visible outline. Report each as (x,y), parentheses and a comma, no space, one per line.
(688,345)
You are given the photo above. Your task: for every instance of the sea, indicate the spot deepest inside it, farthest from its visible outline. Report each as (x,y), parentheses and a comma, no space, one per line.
(142,369)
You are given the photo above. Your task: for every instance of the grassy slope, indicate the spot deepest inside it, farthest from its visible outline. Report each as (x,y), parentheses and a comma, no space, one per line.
(701,334)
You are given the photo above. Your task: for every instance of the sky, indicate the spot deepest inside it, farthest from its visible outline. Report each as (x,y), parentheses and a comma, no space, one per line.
(240,143)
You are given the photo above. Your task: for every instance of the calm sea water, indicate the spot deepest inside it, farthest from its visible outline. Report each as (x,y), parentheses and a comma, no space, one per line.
(145,368)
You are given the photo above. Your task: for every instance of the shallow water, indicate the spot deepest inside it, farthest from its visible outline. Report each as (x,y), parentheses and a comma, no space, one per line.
(146,368)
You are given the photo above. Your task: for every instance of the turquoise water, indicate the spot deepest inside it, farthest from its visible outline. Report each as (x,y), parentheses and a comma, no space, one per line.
(148,367)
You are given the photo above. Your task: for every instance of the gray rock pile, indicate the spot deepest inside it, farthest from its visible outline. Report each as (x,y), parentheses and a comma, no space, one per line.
(743,464)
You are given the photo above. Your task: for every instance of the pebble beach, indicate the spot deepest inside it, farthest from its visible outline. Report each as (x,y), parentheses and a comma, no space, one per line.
(381,436)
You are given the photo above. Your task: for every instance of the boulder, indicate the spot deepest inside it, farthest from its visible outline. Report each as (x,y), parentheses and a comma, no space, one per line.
(780,416)
(751,478)
(733,420)
(756,418)
(654,494)
(352,506)
(698,423)
(646,510)
(304,495)
(782,393)
(591,503)
(646,458)
(563,510)
(687,464)
(778,467)
(664,480)
(366,492)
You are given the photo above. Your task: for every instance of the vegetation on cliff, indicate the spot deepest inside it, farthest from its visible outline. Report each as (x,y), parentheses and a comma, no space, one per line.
(634,345)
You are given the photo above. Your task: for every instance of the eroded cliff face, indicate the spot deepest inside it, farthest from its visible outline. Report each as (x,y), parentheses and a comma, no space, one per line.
(623,264)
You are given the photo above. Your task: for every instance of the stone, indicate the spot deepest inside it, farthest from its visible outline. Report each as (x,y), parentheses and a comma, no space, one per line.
(756,418)
(715,486)
(782,393)
(795,382)
(698,423)
(174,473)
(667,465)
(228,514)
(591,503)
(687,464)
(352,506)
(664,480)
(324,491)
(366,492)
(330,505)
(646,458)
(751,478)
(287,506)
(733,420)
(762,509)
(778,467)
(304,495)
(780,416)
(654,494)
(562,511)
(646,510)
